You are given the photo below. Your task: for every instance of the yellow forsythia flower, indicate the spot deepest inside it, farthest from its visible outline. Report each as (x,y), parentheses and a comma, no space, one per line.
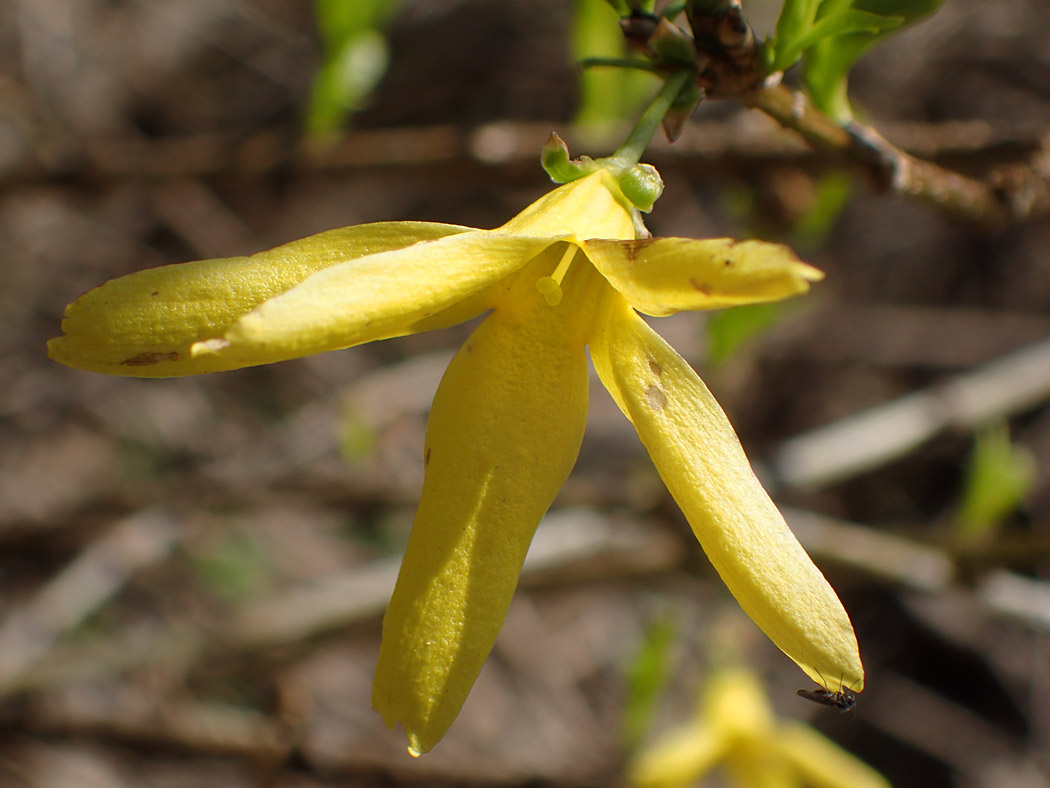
(735,728)
(567,273)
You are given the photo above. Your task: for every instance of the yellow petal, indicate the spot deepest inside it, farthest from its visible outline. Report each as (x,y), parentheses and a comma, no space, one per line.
(734,700)
(375,297)
(591,207)
(144,324)
(750,764)
(661,276)
(679,758)
(821,762)
(503,434)
(700,460)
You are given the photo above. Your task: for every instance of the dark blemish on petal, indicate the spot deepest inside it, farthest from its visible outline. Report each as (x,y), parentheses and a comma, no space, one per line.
(655,368)
(146,359)
(155,293)
(426,457)
(655,398)
(634,248)
(729,261)
(700,286)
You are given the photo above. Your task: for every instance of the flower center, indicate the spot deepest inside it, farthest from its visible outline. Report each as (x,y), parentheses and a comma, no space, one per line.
(550,286)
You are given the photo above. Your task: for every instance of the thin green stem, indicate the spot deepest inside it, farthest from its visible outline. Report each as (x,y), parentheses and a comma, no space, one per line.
(630,151)
(619,62)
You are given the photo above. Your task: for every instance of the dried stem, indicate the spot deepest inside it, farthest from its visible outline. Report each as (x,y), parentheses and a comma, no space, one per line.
(1007,196)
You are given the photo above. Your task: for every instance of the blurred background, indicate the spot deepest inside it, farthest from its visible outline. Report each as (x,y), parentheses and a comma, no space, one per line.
(194,571)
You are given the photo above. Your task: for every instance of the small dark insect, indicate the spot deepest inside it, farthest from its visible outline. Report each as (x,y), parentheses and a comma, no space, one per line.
(843,700)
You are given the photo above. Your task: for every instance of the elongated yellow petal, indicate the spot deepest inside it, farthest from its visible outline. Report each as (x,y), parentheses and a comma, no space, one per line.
(374,297)
(749,764)
(504,432)
(400,292)
(700,460)
(823,763)
(661,276)
(680,758)
(144,324)
(734,700)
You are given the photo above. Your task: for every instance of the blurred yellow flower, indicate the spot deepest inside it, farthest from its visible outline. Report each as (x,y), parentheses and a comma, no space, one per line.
(507,420)
(735,728)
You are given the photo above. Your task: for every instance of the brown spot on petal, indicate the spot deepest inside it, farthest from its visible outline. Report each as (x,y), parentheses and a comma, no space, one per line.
(655,398)
(655,368)
(702,287)
(146,359)
(632,249)
(426,457)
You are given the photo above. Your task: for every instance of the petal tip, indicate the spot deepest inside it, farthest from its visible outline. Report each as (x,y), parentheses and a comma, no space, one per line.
(809,273)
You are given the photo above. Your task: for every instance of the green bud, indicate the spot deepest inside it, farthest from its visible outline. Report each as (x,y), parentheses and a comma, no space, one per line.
(642,185)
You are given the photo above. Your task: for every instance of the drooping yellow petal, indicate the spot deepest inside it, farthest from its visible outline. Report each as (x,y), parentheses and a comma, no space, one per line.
(503,434)
(680,758)
(700,460)
(661,276)
(144,324)
(750,765)
(734,700)
(821,762)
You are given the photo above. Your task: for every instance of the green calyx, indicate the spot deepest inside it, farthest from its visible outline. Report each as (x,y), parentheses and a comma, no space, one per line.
(640,184)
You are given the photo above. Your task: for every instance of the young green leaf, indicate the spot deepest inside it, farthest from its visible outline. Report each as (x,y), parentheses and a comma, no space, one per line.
(647,675)
(607,95)
(355,59)
(839,23)
(796,17)
(829,59)
(729,329)
(998,478)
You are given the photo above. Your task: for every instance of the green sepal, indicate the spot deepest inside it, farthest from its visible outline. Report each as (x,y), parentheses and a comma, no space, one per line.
(554,158)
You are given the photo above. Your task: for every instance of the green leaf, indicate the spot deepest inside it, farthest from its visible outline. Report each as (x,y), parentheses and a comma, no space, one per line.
(607,94)
(998,478)
(840,23)
(235,567)
(729,329)
(355,59)
(646,678)
(339,20)
(796,17)
(829,59)
(830,197)
(621,7)
(347,77)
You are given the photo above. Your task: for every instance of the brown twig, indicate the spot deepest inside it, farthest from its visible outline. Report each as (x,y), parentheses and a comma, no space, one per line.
(85,585)
(726,63)
(874,437)
(1007,196)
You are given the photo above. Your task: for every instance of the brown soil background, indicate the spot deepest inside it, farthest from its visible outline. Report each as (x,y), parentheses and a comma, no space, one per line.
(193,573)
